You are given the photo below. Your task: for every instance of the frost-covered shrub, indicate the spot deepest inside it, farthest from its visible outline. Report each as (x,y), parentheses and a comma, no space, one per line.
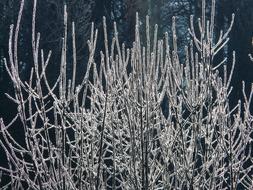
(140,119)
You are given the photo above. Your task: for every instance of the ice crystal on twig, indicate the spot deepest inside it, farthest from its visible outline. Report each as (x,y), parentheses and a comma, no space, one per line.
(109,131)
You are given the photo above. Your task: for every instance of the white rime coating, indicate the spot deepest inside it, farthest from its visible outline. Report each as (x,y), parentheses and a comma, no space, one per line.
(111,130)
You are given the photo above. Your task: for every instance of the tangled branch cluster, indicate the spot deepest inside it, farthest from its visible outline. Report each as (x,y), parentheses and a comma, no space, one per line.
(111,130)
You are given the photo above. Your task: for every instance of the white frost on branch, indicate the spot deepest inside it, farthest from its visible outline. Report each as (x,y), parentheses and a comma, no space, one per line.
(109,131)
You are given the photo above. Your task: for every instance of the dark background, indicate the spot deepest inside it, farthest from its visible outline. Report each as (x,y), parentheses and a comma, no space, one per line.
(50,24)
